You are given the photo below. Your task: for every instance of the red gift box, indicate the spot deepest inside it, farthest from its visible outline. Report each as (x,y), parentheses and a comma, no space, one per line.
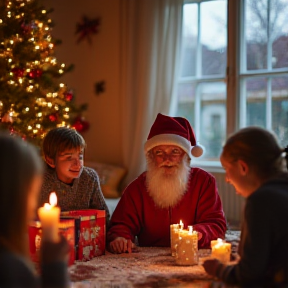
(90,232)
(66,228)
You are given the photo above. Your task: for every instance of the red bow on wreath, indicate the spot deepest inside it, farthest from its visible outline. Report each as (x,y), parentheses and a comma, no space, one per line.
(87,27)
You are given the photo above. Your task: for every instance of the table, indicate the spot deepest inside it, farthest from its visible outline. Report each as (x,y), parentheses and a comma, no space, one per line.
(149,267)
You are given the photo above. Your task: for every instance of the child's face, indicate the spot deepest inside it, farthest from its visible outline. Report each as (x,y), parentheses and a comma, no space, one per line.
(69,165)
(235,175)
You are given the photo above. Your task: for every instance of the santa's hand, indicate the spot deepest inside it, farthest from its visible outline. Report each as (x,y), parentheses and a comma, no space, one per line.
(121,245)
(211,266)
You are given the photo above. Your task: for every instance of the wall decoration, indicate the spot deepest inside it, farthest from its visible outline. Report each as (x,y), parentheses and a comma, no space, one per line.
(99,87)
(86,28)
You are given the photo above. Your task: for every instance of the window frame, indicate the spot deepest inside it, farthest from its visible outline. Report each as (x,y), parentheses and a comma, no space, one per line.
(235,77)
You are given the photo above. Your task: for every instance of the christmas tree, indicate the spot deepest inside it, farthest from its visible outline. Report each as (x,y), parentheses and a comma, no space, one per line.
(32,98)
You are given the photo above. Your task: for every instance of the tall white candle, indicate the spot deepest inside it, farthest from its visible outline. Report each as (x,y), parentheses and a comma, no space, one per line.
(49,217)
(174,236)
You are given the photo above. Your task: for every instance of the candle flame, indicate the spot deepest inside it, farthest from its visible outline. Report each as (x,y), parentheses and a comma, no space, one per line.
(47,206)
(219,243)
(53,199)
(181,225)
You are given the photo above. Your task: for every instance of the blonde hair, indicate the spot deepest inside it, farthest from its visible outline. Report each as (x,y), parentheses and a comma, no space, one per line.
(20,163)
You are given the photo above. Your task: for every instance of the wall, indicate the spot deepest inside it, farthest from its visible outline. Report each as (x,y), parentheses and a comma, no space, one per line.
(96,62)
(233,203)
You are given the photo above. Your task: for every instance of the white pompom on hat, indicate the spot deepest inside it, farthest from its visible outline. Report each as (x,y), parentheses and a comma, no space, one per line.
(176,131)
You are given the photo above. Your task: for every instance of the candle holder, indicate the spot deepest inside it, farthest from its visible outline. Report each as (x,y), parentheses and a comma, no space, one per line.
(187,247)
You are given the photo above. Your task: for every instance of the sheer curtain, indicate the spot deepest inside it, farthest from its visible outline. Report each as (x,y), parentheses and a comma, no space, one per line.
(150,48)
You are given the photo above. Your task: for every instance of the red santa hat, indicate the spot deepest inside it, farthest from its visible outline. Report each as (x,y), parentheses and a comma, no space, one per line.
(177,131)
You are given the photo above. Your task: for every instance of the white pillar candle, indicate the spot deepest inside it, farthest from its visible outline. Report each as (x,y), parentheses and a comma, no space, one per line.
(174,236)
(174,228)
(221,250)
(49,216)
(187,247)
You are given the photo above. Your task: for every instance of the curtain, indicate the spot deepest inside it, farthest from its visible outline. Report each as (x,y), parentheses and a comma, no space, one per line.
(150,48)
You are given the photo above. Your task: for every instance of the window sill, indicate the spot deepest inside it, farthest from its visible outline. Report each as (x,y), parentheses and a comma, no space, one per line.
(209,166)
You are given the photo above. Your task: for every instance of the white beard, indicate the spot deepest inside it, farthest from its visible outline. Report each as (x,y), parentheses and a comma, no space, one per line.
(167,189)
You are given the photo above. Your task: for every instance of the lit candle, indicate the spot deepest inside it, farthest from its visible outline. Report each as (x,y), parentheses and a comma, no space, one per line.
(187,247)
(174,235)
(221,250)
(181,225)
(214,242)
(49,217)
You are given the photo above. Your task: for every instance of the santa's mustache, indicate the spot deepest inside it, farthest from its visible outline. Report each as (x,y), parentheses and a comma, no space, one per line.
(169,164)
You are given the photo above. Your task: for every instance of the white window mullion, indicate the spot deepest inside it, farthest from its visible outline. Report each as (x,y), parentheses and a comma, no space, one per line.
(198,75)
(269,39)
(242,104)
(242,40)
(269,104)
(197,118)
(242,95)
(199,49)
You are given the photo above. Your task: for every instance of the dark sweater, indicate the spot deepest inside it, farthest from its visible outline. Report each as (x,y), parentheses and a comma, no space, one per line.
(264,239)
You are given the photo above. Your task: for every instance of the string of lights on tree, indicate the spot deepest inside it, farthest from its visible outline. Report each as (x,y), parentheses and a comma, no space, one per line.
(32,98)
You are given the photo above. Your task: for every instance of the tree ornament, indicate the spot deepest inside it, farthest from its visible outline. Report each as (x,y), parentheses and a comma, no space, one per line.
(25,28)
(80,124)
(53,117)
(35,73)
(18,72)
(68,96)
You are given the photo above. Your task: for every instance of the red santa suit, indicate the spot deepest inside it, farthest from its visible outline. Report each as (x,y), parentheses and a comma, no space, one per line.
(137,215)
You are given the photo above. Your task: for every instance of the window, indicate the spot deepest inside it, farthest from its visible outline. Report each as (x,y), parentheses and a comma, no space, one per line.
(234,69)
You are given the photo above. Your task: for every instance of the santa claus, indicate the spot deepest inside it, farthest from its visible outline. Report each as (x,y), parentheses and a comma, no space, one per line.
(169,191)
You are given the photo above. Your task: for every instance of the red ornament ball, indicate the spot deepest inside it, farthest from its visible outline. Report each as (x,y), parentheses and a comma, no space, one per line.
(68,96)
(35,73)
(26,28)
(53,117)
(18,72)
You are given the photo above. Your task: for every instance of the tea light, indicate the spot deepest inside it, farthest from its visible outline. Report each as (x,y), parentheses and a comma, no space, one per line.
(221,250)
(187,247)
(49,216)
(174,236)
